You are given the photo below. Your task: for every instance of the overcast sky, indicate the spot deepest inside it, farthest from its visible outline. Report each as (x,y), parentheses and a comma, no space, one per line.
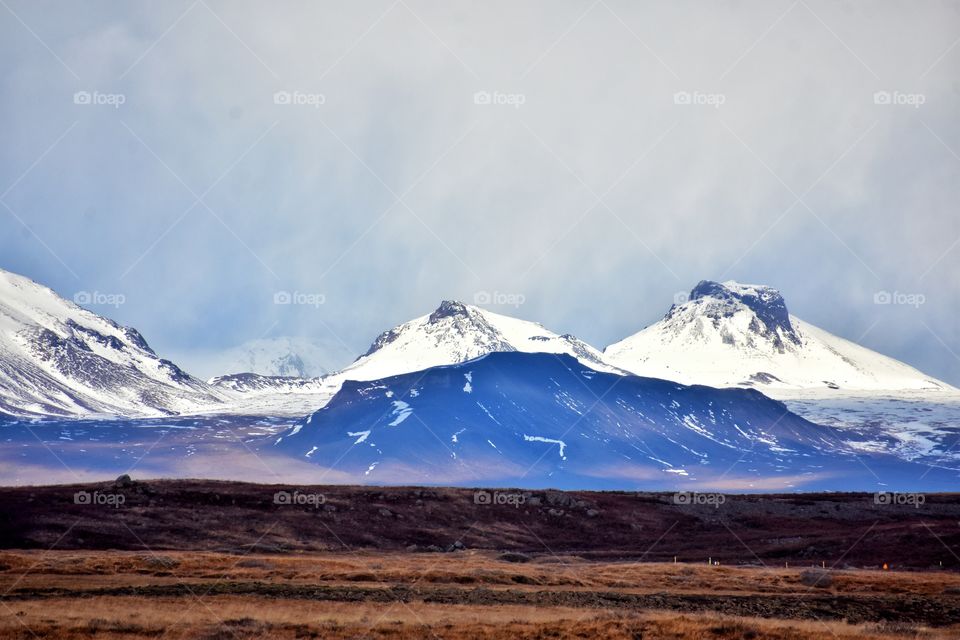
(594,158)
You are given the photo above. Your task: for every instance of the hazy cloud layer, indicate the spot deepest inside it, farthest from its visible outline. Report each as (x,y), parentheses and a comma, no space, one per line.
(338,151)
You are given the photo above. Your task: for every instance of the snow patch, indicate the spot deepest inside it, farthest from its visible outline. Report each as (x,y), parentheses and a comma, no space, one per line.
(563,445)
(361,436)
(401,411)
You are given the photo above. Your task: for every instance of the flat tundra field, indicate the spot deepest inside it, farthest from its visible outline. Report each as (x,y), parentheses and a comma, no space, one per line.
(195,559)
(465,594)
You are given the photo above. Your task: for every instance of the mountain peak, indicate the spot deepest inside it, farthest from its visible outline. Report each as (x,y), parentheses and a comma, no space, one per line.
(456,332)
(729,287)
(735,334)
(724,299)
(449,309)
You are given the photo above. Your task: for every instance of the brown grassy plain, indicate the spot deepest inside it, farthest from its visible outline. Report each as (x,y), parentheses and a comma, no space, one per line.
(467,594)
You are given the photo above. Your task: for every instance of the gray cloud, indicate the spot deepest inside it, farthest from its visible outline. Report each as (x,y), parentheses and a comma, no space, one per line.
(597,198)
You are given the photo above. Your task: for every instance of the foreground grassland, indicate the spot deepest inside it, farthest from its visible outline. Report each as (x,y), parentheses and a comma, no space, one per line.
(463,594)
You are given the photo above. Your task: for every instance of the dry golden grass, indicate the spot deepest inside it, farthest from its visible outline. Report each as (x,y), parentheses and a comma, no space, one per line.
(243,618)
(30,613)
(72,569)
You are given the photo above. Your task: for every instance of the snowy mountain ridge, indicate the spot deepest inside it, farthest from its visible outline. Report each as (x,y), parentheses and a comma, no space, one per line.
(57,358)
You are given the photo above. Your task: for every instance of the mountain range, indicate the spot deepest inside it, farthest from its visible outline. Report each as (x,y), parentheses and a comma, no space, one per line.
(465,395)
(57,358)
(725,335)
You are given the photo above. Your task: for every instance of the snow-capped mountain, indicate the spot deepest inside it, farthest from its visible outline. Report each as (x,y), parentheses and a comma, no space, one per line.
(57,358)
(453,333)
(732,334)
(456,332)
(535,420)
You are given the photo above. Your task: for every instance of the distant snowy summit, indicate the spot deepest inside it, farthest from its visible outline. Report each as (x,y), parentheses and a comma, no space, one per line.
(732,334)
(256,383)
(285,356)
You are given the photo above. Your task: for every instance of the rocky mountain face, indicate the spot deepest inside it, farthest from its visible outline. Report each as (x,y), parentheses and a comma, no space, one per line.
(57,358)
